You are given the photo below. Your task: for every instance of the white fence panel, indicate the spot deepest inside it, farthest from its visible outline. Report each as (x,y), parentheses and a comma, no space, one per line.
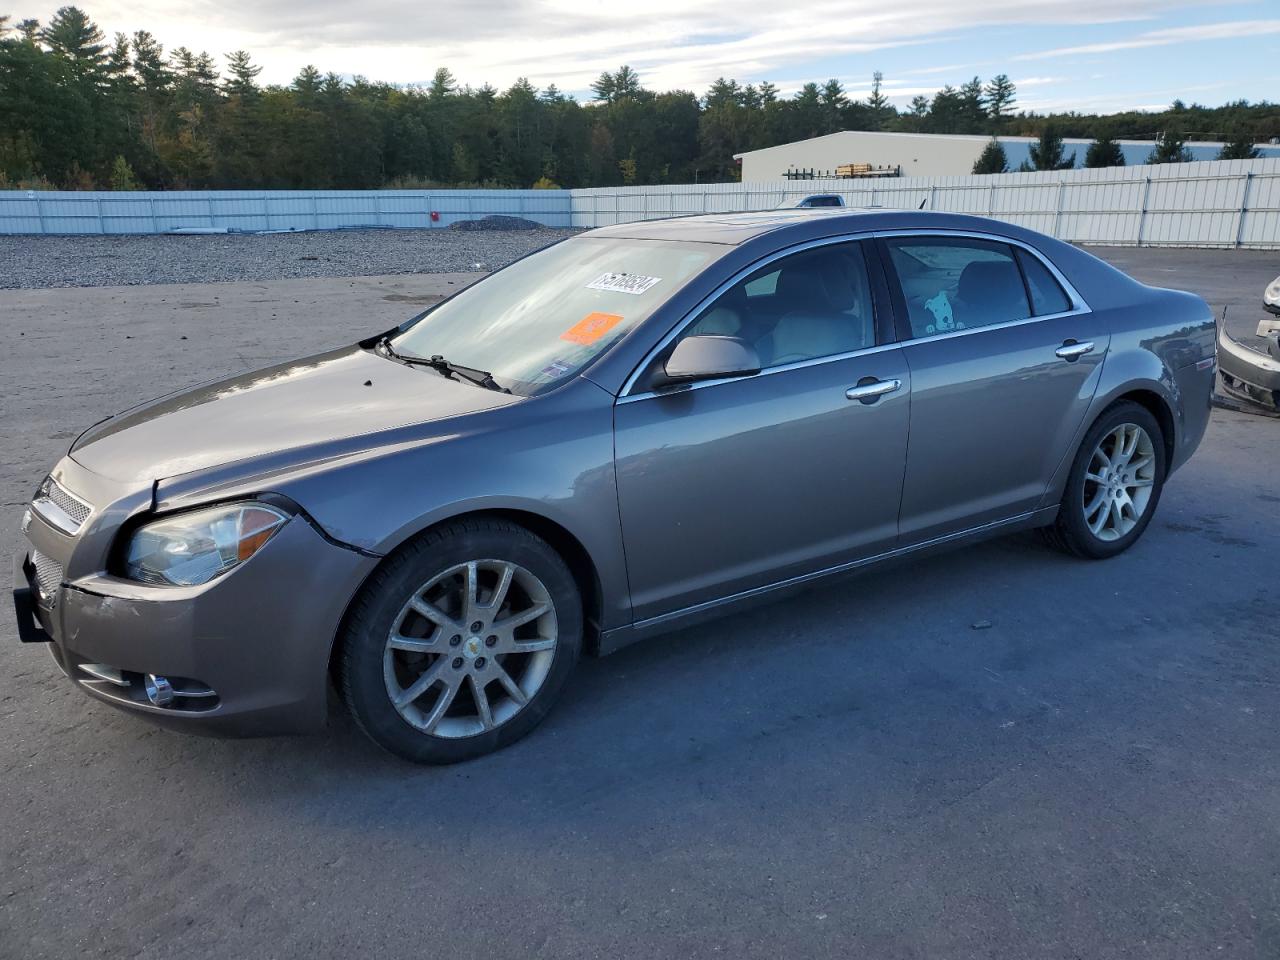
(1208,203)
(252,210)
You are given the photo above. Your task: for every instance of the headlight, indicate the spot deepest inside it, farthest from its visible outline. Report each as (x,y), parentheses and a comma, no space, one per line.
(195,547)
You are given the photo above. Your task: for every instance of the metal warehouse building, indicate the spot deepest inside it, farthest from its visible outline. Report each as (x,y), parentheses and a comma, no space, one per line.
(924,154)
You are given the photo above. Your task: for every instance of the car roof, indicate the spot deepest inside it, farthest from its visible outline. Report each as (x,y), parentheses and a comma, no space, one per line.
(736,228)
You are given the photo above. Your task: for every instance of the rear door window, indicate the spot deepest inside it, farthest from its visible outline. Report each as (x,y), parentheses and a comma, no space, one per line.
(957,283)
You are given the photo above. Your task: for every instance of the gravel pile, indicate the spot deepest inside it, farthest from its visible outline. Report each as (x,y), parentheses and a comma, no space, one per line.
(97,261)
(497,221)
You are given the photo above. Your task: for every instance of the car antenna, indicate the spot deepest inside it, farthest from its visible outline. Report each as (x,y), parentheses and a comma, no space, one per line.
(922,203)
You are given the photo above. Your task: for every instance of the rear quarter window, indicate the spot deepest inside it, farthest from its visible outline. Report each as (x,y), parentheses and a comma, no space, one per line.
(1047,295)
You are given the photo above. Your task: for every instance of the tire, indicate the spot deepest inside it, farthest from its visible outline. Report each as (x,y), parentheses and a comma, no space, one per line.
(419,594)
(1076,529)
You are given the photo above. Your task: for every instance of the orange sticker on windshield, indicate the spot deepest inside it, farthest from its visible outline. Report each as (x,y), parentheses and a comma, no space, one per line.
(591,328)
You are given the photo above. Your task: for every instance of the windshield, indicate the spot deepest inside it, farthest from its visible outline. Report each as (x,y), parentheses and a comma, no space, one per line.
(545,317)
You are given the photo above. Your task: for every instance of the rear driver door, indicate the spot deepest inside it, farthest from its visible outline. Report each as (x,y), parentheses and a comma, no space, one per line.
(1005,358)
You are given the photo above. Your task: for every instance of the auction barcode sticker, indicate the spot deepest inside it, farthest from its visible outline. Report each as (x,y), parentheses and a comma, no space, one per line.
(632,283)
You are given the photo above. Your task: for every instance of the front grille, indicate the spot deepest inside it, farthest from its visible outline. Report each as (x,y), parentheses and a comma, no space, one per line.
(67,502)
(48,575)
(60,507)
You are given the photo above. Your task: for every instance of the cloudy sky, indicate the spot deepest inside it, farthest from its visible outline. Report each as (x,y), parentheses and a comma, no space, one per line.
(1095,55)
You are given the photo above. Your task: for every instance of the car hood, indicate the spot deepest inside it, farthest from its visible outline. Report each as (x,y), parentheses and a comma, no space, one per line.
(302,404)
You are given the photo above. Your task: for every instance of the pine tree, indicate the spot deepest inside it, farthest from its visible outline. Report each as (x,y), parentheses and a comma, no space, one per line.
(722,93)
(917,113)
(1169,148)
(1048,153)
(612,87)
(333,89)
(182,61)
(1240,147)
(307,84)
(992,159)
(118,110)
(74,36)
(241,143)
(149,64)
(626,83)
(206,75)
(122,176)
(603,87)
(442,84)
(243,79)
(119,63)
(973,105)
(878,106)
(945,115)
(1001,94)
(1104,152)
(834,103)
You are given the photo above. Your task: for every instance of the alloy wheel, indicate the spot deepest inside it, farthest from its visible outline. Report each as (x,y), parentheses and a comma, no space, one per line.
(470,648)
(1118,482)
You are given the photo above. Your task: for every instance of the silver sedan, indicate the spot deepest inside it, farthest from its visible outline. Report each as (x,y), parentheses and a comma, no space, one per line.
(626,432)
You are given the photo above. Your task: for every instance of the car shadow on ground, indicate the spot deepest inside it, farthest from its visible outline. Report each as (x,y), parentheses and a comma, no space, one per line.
(851,648)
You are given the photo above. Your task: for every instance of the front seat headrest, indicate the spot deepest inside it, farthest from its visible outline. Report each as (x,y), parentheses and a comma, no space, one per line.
(803,288)
(994,282)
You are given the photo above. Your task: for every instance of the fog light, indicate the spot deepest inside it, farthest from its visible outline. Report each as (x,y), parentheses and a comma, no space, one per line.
(159,690)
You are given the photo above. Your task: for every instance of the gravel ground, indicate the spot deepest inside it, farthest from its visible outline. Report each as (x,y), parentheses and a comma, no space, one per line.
(95,261)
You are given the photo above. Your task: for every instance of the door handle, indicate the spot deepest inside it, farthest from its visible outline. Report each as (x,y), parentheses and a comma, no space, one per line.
(872,390)
(1071,351)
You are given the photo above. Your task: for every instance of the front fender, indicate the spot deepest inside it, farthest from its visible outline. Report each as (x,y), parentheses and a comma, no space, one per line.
(550,456)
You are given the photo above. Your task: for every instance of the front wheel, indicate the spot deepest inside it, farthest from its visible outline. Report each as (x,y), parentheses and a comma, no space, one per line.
(1114,486)
(461,642)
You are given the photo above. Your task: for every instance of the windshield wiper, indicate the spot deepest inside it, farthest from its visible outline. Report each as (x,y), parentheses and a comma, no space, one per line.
(482,378)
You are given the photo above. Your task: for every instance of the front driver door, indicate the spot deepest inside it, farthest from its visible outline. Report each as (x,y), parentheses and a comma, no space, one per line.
(729,485)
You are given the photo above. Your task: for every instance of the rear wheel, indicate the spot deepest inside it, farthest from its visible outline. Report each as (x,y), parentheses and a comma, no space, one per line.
(1114,486)
(461,643)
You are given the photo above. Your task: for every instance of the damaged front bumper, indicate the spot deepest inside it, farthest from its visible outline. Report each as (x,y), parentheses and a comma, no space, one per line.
(1249,374)
(245,653)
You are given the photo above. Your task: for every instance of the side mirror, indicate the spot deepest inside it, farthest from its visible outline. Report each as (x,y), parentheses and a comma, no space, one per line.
(709,357)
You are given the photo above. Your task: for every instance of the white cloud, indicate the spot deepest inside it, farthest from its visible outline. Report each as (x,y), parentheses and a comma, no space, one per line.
(672,43)
(1148,100)
(1228,30)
